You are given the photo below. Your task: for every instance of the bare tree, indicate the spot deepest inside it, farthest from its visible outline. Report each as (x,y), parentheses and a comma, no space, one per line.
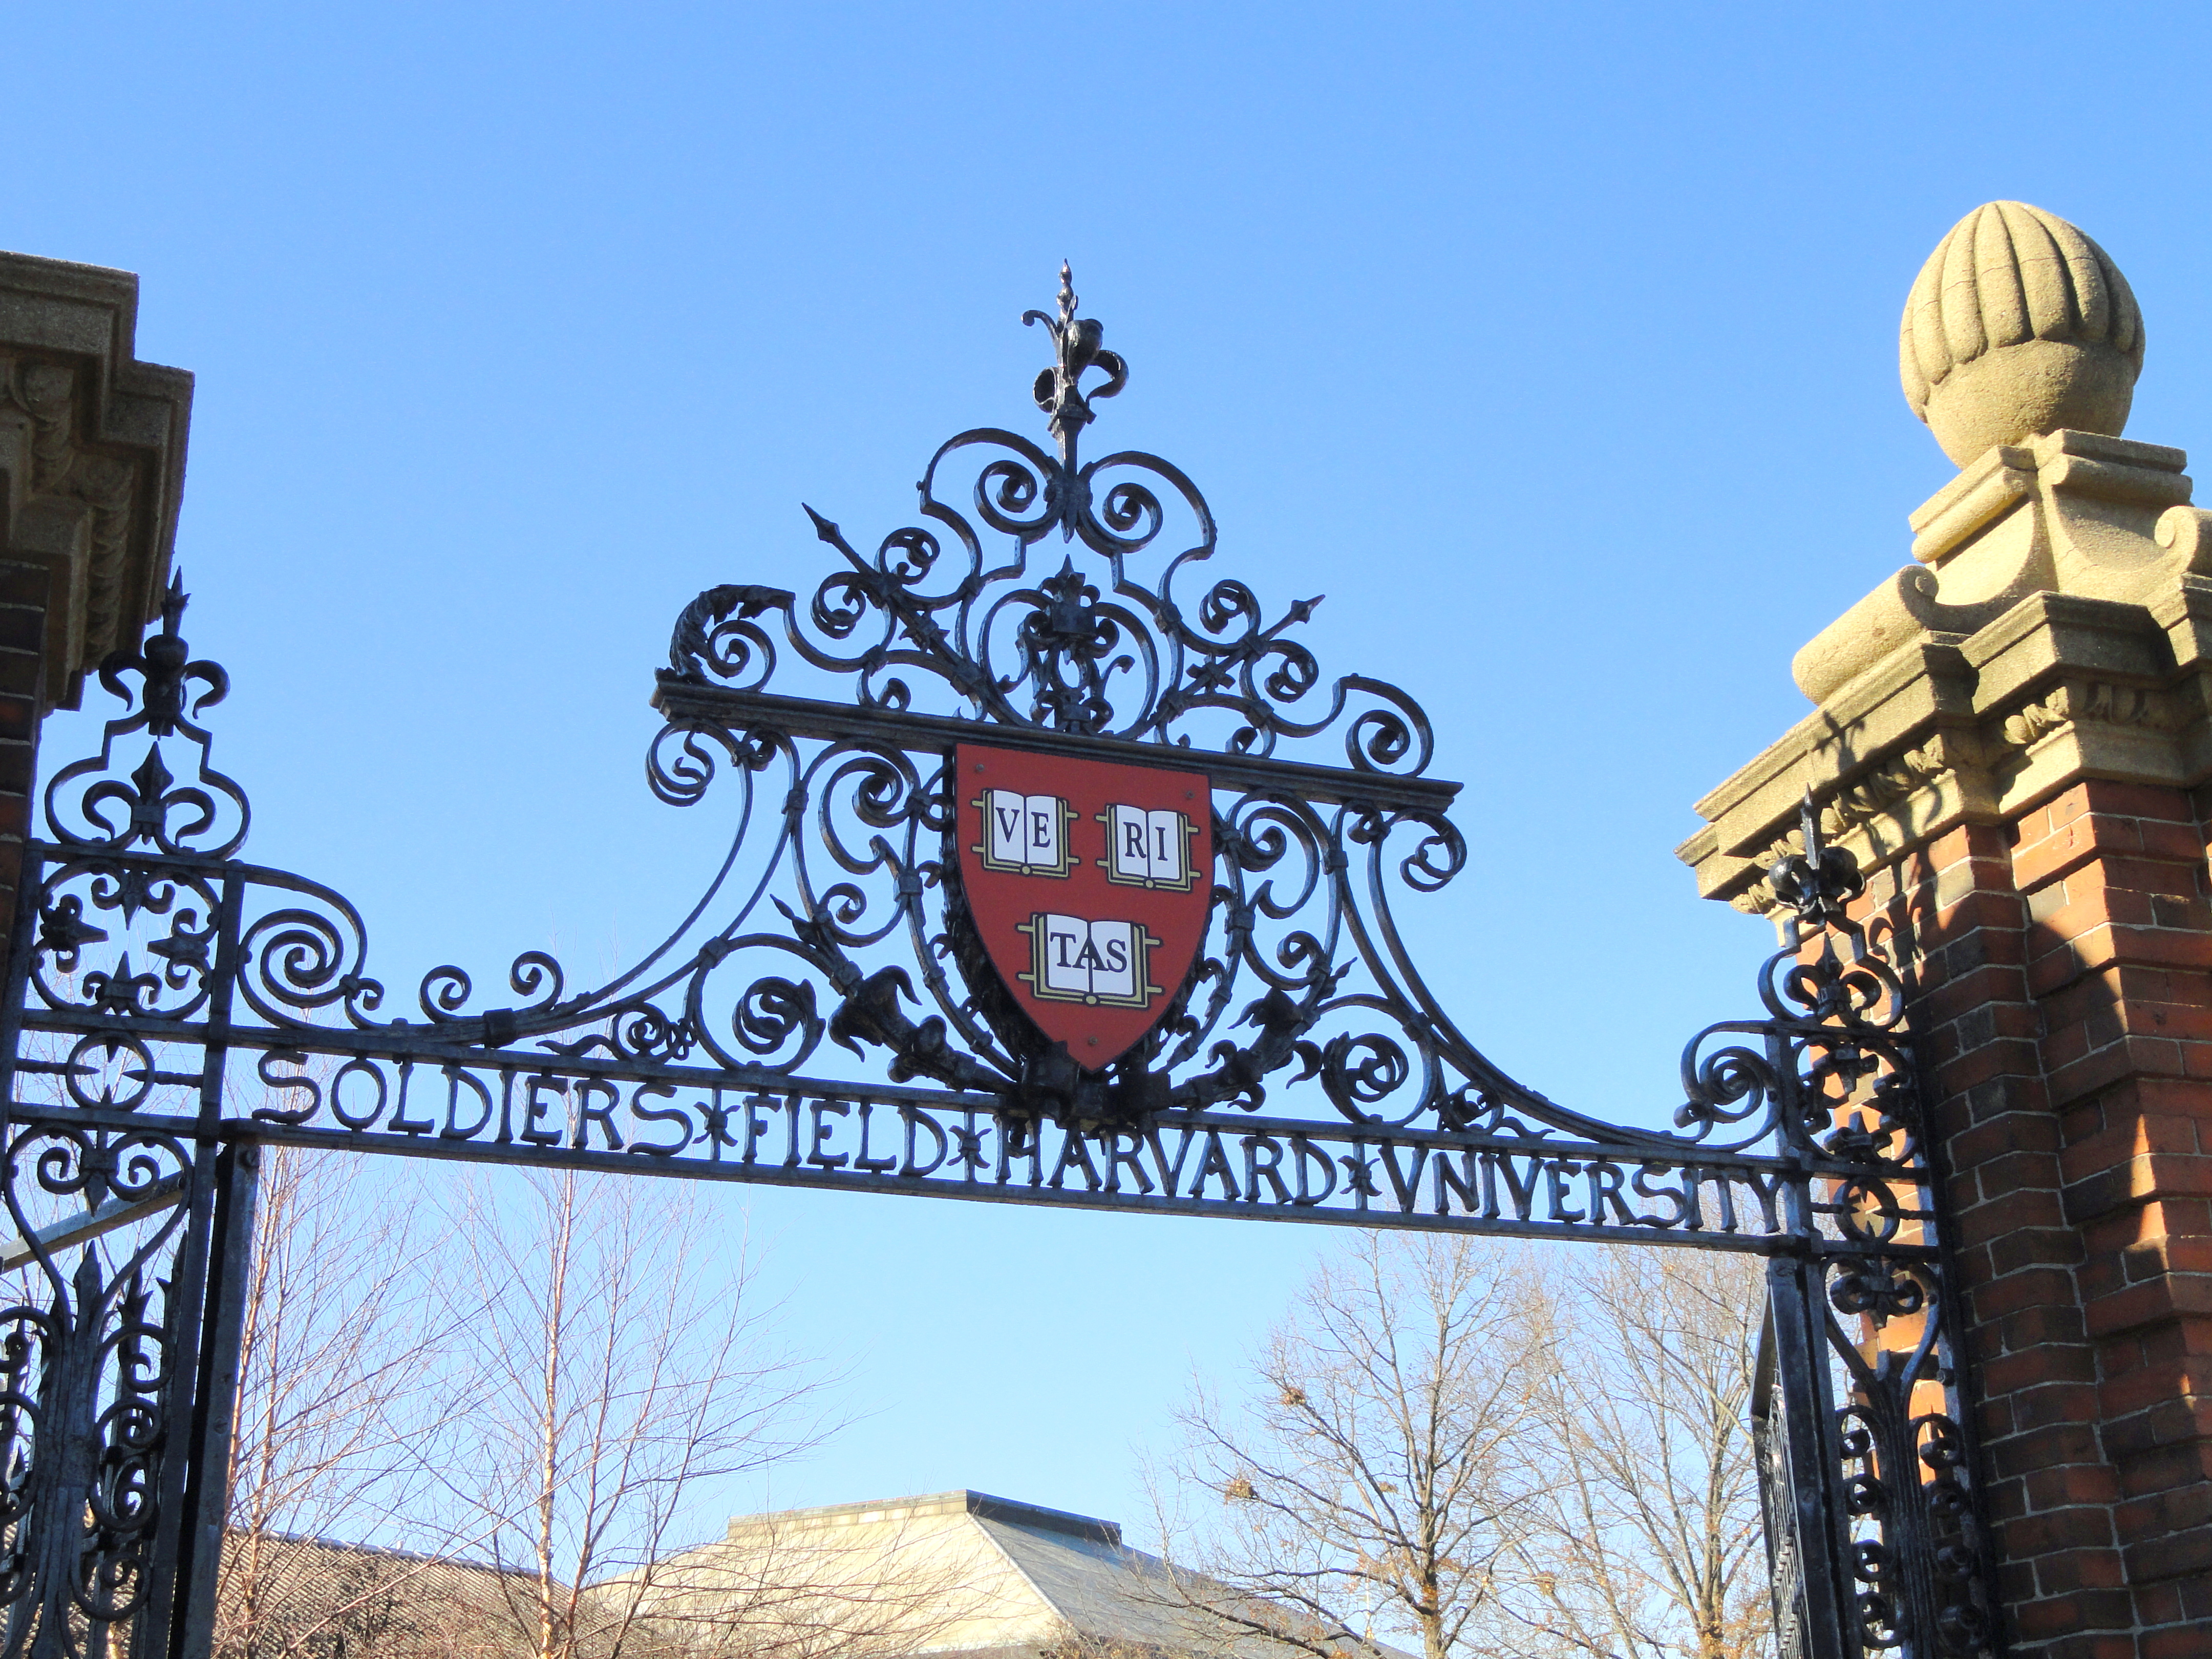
(1375,1482)
(626,1370)
(342,1386)
(531,1384)
(1069,1642)
(1647,1542)
(1453,1441)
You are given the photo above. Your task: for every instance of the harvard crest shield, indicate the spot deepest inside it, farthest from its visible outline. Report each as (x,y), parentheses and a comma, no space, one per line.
(1088,885)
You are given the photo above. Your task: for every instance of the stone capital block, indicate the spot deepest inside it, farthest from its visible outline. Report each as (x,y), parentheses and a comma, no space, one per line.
(92,460)
(1976,728)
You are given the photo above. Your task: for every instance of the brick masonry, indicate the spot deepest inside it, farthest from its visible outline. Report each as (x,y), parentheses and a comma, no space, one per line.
(2061,974)
(23,590)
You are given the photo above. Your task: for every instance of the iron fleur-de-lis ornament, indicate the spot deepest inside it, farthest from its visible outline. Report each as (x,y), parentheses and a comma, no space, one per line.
(1076,342)
(164,663)
(1818,883)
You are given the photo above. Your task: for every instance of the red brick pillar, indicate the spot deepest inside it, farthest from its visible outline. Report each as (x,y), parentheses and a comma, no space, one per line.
(2113,877)
(2064,1009)
(2033,804)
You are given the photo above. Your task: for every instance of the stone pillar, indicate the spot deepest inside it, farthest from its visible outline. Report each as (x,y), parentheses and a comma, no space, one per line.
(92,469)
(2012,736)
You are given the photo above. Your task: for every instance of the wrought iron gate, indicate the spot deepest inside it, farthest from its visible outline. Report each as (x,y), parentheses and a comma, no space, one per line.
(826,1016)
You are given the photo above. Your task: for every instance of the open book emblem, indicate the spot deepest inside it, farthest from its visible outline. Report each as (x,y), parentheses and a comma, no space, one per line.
(1087,887)
(1024,834)
(1089,962)
(1148,847)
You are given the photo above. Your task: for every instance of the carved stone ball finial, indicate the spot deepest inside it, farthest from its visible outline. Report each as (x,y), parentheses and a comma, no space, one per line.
(2018,326)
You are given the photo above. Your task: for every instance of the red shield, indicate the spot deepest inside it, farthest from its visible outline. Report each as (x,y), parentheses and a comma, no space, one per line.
(1088,885)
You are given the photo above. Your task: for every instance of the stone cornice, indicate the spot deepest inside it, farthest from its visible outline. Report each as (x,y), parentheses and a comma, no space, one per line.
(1982,727)
(92,457)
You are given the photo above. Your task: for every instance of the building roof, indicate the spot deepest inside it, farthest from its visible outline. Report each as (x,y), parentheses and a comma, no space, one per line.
(948,1574)
(952,1575)
(284,1593)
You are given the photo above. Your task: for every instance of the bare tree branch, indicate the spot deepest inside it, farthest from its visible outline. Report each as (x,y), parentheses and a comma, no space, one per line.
(1373,1482)
(1649,1543)
(341,1394)
(626,1368)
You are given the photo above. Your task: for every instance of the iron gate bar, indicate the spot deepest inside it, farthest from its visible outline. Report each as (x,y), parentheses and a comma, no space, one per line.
(1303,1064)
(204,1509)
(91,1224)
(1811,1594)
(684,702)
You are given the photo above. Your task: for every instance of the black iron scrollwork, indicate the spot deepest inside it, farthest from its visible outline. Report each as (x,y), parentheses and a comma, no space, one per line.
(89,806)
(1305,979)
(1832,1068)
(85,1376)
(1059,650)
(826,935)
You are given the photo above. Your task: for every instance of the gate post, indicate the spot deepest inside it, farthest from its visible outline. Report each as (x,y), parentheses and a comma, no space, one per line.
(2012,738)
(91,471)
(206,1466)
(1790,1424)
(91,464)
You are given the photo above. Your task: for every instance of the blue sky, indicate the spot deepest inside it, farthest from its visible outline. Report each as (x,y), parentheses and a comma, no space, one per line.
(1555,345)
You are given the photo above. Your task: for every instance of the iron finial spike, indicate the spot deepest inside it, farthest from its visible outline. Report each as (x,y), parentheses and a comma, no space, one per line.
(1068,301)
(1809,818)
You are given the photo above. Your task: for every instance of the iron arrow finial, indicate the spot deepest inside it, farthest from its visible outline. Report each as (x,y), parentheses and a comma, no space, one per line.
(1076,346)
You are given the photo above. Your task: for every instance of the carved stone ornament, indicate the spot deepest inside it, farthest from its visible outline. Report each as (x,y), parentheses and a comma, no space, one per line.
(2017,326)
(92,460)
(2056,622)
(2019,347)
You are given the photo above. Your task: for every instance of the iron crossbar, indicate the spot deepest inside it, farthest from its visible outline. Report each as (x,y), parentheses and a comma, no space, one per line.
(685,702)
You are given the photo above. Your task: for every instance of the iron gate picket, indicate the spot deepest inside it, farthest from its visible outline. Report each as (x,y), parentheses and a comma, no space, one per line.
(800,1027)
